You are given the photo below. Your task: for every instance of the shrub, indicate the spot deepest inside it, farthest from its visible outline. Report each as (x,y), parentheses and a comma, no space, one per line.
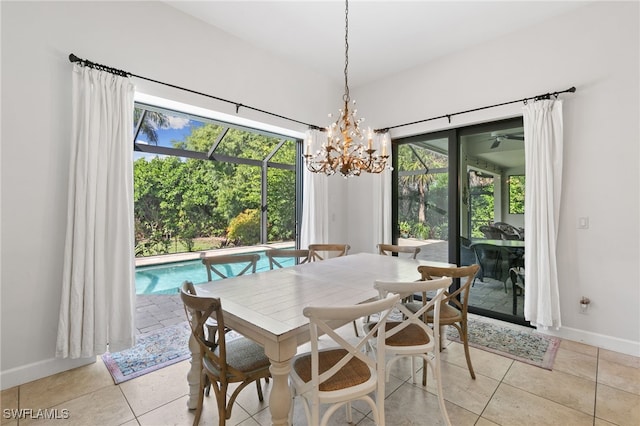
(245,228)
(421,230)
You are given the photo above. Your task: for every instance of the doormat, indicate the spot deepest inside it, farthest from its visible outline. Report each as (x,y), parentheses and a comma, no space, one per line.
(515,342)
(154,350)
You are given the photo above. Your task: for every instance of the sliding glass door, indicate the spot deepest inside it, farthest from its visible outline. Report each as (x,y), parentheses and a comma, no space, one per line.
(459,195)
(421,176)
(491,215)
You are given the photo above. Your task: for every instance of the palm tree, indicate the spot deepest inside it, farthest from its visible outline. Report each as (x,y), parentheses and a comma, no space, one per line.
(413,181)
(151,121)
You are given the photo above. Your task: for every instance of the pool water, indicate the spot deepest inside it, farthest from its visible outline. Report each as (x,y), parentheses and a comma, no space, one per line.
(166,278)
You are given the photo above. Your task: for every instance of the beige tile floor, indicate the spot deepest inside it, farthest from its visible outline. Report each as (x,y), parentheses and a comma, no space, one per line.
(588,386)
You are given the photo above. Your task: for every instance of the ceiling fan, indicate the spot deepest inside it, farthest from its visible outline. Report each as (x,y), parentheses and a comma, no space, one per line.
(497,138)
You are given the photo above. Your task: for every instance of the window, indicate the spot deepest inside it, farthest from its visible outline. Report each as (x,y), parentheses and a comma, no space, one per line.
(202,184)
(516,194)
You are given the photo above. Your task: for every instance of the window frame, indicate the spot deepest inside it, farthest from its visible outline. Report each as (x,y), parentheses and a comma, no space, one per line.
(265,164)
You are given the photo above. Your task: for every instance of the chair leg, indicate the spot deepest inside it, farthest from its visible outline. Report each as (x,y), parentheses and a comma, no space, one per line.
(355,328)
(465,342)
(424,373)
(221,399)
(435,365)
(196,419)
(260,397)
(413,369)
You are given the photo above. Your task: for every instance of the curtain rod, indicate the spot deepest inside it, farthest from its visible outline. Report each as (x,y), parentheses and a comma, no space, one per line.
(238,105)
(572,89)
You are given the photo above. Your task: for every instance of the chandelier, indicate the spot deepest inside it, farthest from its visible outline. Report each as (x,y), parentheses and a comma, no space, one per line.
(344,150)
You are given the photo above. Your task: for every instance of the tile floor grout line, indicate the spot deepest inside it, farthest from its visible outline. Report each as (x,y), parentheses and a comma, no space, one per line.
(496,389)
(595,393)
(545,398)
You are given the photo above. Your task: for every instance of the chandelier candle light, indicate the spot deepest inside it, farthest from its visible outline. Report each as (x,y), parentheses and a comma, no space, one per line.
(344,150)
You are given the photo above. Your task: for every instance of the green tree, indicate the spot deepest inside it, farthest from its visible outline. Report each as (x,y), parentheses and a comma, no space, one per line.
(423,196)
(516,194)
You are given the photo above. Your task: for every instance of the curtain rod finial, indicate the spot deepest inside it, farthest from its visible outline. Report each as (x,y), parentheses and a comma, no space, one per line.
(73,58)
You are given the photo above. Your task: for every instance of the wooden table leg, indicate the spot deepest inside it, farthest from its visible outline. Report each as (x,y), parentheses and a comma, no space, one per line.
(280,399)
(193,376)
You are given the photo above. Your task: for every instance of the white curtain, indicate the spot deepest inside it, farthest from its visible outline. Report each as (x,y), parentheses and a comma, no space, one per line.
(543,169)
(315,201)
(98,290)
(381,198)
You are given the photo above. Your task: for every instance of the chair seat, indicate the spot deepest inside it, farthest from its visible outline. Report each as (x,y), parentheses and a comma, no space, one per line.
(242,354)
(412,335)
(448,314)
(354,373)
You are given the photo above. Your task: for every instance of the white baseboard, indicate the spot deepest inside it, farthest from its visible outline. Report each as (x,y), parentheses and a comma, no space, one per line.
(37,370)
(611,343)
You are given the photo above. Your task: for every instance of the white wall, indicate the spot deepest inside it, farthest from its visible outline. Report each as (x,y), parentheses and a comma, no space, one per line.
(595,48)
(145,38)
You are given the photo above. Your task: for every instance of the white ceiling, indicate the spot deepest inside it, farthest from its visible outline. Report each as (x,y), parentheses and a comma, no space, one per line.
(385,37)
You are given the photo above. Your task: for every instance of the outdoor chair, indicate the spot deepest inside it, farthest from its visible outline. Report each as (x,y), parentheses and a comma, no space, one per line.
(495,261)
(344,372)
(230,265)
(491,232)
(509,232)
(467,254)
(412,337)
(239,360)
(517,282)
(326,251)
(390,250)
(276,255)
(454,305)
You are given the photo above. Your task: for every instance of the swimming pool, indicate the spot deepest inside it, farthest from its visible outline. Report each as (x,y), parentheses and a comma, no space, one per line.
(166,278)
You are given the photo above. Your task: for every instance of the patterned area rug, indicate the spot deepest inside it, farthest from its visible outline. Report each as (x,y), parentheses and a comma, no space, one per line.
(519,343)
(154,350)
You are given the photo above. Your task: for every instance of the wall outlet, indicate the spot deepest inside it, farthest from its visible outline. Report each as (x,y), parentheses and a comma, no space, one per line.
(583,223)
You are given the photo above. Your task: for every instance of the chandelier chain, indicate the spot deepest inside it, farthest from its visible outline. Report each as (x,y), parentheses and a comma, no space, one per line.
(346,97)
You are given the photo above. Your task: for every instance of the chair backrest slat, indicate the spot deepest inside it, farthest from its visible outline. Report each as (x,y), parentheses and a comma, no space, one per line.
(408,288)
(468,272)
(198,310)
(390,249)
(222,265)
(317,251)
(320,322)
(301,256)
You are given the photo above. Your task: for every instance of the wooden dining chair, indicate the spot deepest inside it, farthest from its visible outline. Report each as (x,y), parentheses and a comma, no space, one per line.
(326,251)
(454,305)
(391,249)
(238,360)
(230,265)
(276,256)
(345,371)
(411,336)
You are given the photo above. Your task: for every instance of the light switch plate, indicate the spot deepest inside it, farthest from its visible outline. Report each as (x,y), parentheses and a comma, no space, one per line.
(583,223)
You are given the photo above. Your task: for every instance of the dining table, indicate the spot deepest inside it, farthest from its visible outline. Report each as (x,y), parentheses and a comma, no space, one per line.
(267,308)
